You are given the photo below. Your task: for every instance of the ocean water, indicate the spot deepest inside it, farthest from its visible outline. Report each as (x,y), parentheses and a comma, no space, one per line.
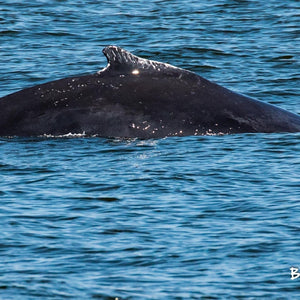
(209,217)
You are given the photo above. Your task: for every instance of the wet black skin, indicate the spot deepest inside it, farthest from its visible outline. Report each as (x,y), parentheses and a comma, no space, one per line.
(134,97)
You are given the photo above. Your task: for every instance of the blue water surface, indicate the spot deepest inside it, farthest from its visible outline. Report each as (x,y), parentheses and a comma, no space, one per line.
(212,217)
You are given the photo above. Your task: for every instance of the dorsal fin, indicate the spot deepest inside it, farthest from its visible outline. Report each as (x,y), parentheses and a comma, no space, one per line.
(124,61)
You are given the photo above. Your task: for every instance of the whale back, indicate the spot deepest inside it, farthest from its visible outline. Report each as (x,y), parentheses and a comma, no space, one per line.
(137,97)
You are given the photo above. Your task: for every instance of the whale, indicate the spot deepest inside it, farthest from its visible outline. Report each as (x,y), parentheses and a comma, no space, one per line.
(134,97)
